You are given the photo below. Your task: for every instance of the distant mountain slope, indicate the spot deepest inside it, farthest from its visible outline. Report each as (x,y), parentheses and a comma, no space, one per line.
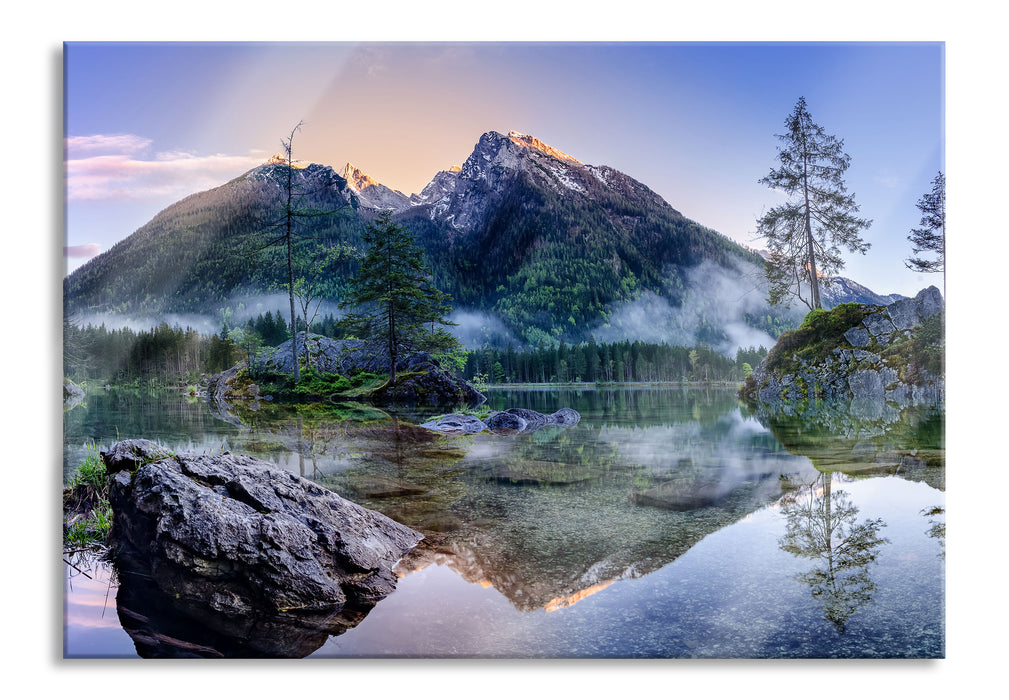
(533,245)
(202,251)
(840,290)
(370,193)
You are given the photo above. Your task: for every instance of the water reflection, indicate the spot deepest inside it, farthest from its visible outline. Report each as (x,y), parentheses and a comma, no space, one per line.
(561,516)
(821,526)
(936,516)
(166,626)
(181,422)
(862,437)
(551,517)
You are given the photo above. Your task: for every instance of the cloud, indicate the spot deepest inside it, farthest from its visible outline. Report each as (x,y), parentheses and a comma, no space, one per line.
(475,329)
(114,167)
(86,251)
(719,298)
(111,143)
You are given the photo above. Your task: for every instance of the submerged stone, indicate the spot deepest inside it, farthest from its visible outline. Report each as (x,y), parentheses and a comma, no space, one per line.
(565,417)
(506,423)
(456,424)
(511,421)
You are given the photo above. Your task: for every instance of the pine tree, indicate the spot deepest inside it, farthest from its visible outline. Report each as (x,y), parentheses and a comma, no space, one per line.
(395,301)
(931,237)
(804,235)
(284,229)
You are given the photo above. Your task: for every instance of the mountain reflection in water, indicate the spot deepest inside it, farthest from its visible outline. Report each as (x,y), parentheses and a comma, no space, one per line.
(553,518)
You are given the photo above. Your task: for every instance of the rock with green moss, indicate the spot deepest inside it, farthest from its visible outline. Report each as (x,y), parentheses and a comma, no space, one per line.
(421,380)
(128,455)
(894,353)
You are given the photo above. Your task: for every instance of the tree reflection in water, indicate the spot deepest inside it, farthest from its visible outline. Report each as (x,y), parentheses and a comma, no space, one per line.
(937,527)
(821,525)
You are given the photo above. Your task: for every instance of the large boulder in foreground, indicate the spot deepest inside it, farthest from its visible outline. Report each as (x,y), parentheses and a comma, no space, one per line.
(255,554)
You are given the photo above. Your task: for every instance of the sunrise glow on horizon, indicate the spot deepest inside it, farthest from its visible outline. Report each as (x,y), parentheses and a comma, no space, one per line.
(148,124)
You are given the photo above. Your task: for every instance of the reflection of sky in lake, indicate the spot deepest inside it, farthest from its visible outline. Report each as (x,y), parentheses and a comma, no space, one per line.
(732,595)
(91,625)
(550,521)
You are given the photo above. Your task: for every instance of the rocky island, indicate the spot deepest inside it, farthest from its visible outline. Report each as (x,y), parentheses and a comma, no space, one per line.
(861,351)
(421,379)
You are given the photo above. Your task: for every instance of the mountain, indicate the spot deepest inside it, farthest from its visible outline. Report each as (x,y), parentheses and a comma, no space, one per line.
(556,248)
(532,244)
(370,193)
(840,290)
(200,253)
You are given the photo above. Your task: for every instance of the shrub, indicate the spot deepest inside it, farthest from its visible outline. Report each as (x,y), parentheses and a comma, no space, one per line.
(91,472)
(315,385)
(86,501)
(928,346)
(820,332)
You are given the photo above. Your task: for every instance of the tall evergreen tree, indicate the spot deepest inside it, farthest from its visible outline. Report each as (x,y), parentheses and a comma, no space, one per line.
(805,235)
(931,237)
(283,230)
(395,301)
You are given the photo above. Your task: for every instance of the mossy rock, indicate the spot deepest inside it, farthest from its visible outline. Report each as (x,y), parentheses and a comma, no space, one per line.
(816,338)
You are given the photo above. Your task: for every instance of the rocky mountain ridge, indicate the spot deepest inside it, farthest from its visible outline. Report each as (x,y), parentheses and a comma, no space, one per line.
(523,235)
(841,290)
(370,192)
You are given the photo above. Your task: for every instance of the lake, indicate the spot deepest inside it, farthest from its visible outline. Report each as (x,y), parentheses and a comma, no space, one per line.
(670,522)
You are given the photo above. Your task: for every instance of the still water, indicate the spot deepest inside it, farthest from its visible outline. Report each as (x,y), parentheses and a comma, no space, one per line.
(669,522)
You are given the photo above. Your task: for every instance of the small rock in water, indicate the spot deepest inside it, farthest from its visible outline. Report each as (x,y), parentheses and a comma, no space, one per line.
(508,422)
(565,417)
(456,424)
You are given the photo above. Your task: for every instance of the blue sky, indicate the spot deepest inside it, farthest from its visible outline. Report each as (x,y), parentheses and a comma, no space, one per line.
(147,124)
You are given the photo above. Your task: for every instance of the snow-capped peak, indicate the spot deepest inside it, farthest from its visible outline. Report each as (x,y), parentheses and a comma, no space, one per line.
(370,192)
(281,159)
(528,141)
(356,178)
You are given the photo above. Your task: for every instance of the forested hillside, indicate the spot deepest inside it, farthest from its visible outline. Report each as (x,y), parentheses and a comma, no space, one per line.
(165,356)
(197,255)
(552,267)
(610,362)
(545,247)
